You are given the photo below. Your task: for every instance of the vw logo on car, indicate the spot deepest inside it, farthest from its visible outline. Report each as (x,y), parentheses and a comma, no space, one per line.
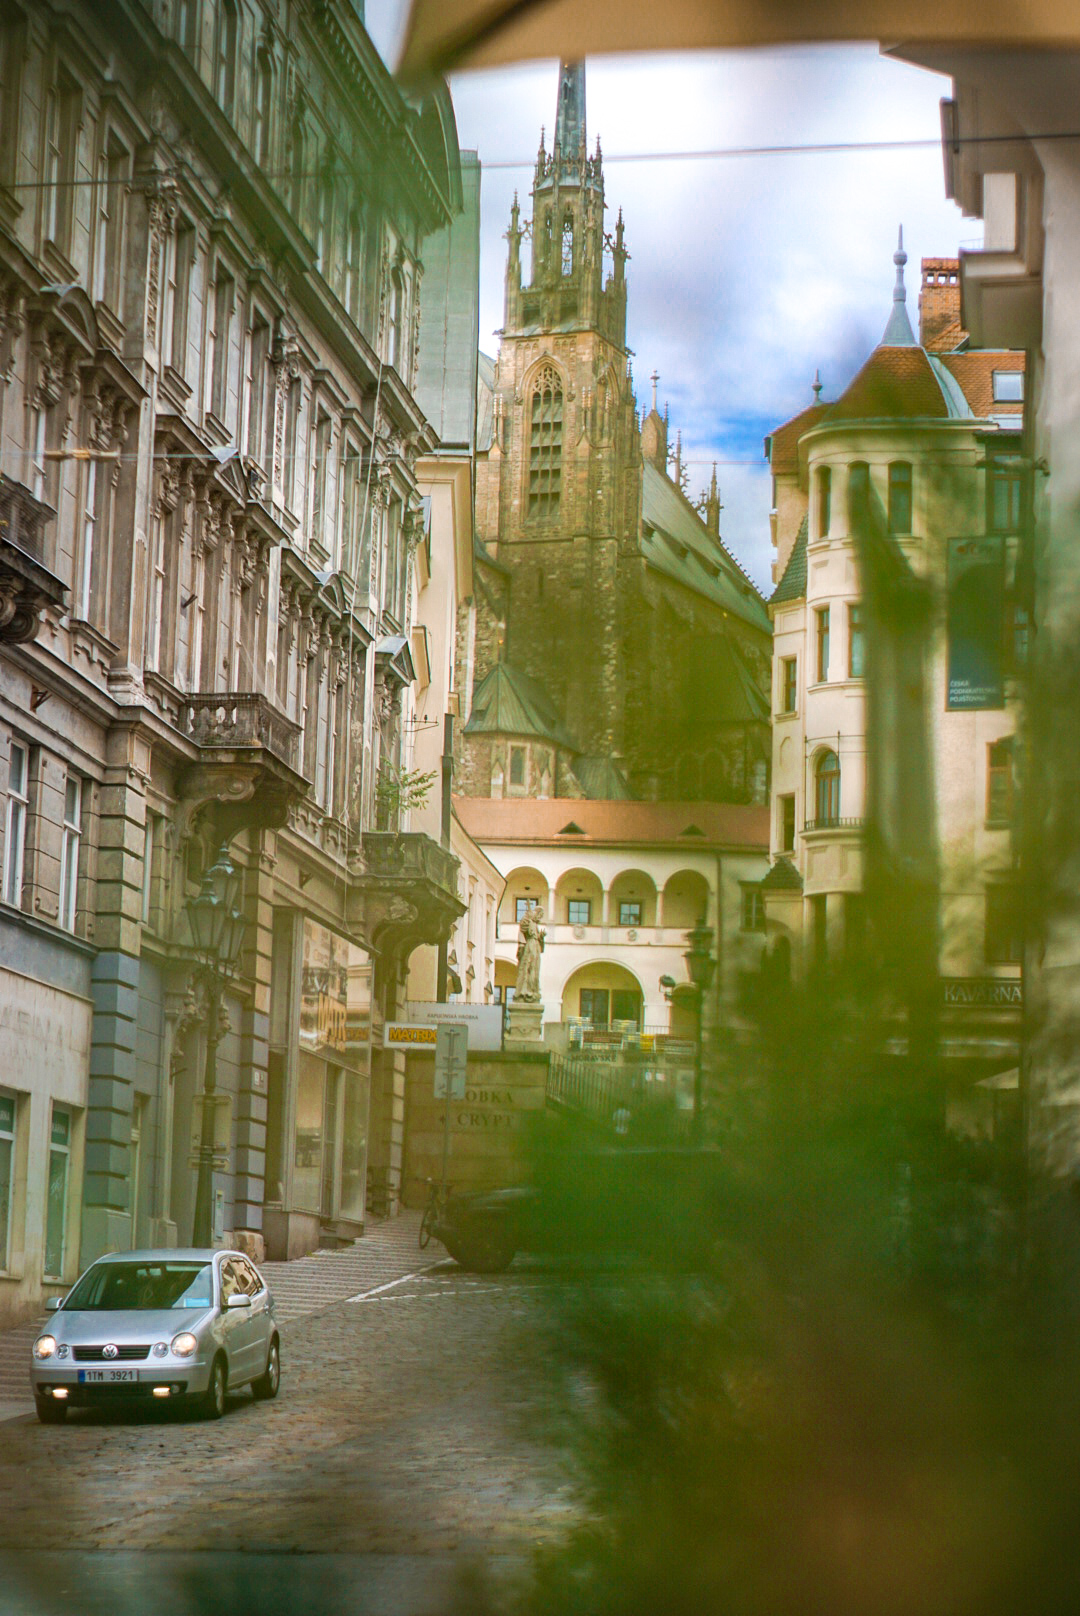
(110,1351)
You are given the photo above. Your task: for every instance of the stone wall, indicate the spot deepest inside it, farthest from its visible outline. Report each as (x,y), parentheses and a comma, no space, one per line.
(489,1129)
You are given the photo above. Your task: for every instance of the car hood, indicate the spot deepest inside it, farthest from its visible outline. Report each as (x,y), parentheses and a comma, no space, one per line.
(125,1328)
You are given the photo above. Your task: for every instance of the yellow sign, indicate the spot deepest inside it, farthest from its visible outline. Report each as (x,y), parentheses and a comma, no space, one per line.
(396,1035)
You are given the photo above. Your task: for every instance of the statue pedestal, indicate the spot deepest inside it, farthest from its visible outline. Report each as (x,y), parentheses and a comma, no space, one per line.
(524,1025)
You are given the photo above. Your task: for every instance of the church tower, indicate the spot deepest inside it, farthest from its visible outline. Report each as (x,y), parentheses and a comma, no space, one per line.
(559,493)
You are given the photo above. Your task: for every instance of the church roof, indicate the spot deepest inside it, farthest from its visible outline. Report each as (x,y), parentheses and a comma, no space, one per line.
(485,401)
(792,585)
(677,543)
(601,778)
(509,702)
(450,317)
(693,825)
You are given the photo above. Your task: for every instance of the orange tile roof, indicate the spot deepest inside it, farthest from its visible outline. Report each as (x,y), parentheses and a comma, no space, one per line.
(783,444)
(637,824)
(895,383)
(975,373)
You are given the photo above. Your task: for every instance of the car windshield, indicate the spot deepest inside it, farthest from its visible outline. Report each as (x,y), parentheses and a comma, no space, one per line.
(123,1286)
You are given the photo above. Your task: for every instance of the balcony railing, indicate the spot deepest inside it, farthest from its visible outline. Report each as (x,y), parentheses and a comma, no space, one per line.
(242,720)
(410,855)
(833,822)
(23,518)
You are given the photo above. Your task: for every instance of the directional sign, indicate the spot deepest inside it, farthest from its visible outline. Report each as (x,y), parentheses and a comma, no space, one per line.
(451,1049)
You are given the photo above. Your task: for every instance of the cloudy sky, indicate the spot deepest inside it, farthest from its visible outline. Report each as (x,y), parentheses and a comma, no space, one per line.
(746,273)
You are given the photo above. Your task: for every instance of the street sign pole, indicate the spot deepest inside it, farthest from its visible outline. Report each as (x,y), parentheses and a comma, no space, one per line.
(451,1053)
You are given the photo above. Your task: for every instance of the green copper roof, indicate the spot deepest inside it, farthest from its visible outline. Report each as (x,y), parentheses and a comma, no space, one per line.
(508,702)
(792,585)
(677,543)
(601,779)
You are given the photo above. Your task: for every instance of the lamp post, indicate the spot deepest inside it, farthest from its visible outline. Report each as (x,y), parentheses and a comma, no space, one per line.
(217,931)
(701,965)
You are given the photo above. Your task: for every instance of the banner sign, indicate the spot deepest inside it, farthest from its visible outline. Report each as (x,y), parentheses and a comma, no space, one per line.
(976,618)
(399,1035)
(484,1021)
(982,992)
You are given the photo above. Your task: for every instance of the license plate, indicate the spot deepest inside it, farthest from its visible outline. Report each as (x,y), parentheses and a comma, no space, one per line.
(109,1375)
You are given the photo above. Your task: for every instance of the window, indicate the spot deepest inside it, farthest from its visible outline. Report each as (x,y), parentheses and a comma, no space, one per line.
(630,913)
(292,427)
(69,854)
(900,497)
(224,64)
(88,535)
(827,789)
(1008,386)
(324,228)
(7,1174)
(593,1006)
(185,25)
(61,142)
(517,767)
(298,184)
(15,829)
(789,683)
(155,622)
(545,445)
(393,318)
(181,255)
(753,909)
(856,642)
(261,132)
(1004,938)
(568,245)
(578,911)
(354,250)
(39,430)
(219,344)
(521,908)
(257,378)
(999,783)
(318,478)
(824,501)
(56,1204)
(114,166)
(1021,626)
(1004,492)
(787,824)
(151,837)
(821,617)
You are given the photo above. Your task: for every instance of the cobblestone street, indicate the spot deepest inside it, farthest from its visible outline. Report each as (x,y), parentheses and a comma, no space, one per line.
(411,1427)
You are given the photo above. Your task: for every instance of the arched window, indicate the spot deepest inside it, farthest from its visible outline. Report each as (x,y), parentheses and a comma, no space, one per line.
(261,133)
(225,55)
(900,497)
(545,444)
(827,789)
(568,245)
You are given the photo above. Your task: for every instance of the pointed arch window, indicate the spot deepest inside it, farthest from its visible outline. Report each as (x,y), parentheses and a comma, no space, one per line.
(568,245)
(545,444)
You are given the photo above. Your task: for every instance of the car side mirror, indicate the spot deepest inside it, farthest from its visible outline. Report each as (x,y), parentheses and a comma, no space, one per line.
(53,1303)
(238,1299)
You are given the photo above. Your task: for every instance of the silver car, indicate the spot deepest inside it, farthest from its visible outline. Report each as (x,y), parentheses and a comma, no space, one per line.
(166,1326)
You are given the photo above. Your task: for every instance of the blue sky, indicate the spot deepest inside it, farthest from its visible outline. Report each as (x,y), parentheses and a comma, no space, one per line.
(746,273)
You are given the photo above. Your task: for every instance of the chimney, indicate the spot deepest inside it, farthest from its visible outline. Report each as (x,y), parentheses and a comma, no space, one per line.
(940,330)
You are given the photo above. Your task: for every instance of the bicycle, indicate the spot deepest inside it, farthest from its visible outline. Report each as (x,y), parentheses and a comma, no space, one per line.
(438,1195)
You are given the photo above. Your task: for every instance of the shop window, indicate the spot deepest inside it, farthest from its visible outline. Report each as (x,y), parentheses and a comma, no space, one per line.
(1004,937)
(56,1195)
(578,911)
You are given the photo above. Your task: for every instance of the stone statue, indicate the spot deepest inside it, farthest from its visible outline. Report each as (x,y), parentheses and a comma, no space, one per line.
(530,947)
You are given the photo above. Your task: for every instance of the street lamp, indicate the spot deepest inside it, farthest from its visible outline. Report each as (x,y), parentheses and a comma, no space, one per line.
(701,965)
(217,932)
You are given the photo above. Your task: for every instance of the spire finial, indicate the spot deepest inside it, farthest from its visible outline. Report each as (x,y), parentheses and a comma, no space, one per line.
(817,387)
(898,332)
(654,378)
(899,258)
(713,492)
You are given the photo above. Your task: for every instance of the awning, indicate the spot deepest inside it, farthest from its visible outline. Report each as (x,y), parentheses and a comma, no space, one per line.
(444,35)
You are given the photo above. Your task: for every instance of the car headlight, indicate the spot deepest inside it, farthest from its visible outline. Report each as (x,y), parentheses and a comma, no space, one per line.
(161,1349)
(44,1346)
(184,1344)
(62,1350)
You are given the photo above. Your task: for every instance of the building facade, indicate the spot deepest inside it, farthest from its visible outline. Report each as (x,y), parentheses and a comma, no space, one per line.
(897,662)
(616,647)
(211,229)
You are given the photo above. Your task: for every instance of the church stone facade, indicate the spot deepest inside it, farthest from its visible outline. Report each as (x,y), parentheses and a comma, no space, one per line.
(615,648)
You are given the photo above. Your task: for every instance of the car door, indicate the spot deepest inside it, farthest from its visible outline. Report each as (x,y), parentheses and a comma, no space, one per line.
(262,1323)
(239,1330)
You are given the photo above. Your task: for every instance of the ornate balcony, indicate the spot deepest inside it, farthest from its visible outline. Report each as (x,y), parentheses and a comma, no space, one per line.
(248,770)
(406,895)
(27,587)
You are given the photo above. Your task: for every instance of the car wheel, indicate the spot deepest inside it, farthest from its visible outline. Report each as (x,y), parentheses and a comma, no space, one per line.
(214,1400)
(50,1412)
(268,1382)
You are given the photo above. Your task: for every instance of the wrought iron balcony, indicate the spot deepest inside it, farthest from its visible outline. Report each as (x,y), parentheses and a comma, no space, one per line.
(832,822)
(241,720)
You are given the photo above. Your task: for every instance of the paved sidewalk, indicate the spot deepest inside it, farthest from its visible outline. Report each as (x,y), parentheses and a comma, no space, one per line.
(388,1251)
